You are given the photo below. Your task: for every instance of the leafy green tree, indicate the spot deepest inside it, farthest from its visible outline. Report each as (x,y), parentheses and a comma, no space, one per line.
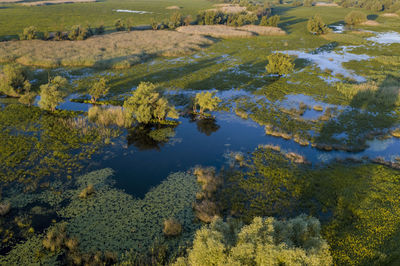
(28,98)
(147,104)
(30,33)
(52,93)
(206,101)
(355,18)
(272,21)
(99,89)
(79,33)
(266,241)
(280,64)
(13,81)
(317,26)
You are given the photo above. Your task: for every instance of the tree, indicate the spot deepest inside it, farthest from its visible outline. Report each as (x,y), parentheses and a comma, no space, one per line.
(99,89)
(280,64)
(271,21)
(52,93)
(265,241)
(29,33)
(317,26)
(355,18)
(13,81)
(206,101)
(147,104)
(28,98)
(308,3)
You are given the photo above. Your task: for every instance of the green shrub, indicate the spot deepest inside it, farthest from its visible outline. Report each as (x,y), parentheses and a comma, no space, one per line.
(172,227)
(272,21)
(308,3)
(206,101)
(52,93)
(99,30)
(79,33)
(317,26)
(211,18)
(119,25)
(146,105)
(29,33)
(99,89)
(355,18)
(280,64)
(175,21)
(13,81)
(266,241)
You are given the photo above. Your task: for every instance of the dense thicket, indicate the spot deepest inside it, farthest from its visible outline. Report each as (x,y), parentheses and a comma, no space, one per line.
(374,5)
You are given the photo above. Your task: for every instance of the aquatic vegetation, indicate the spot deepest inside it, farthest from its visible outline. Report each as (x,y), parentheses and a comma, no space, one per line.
(106,116)
(112,220)
(4,208)
(265,241)
(172,227)
(87,191)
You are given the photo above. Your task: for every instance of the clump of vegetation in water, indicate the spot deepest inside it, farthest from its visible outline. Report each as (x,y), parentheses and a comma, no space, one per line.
(317,26)
(172,227)
(99,89)
(206,101)
(53,93)
(280,64)
(147,105)
(87,191)
(265,241)
(5,208)
(14,81)
(107,116)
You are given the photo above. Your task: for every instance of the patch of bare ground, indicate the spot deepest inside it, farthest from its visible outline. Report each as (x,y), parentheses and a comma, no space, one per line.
(228,8)
(390,15)
(116,50)
(326,4)
(173,7)
(55,2)
(223,31)
(370,23)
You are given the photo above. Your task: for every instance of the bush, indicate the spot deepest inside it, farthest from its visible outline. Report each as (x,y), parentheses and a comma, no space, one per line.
(266,241)
(175,21)
(271,21)
(119,25)
(79,33)
(52,93)
(238,20)
(29,33)
(87,191)
(99,89)
(206,101)
(355,18)
(13,81)
(146,105)
(108,116)
(99,30)
(280,64)
(308,3)
(211,18)
(28,98)
(172,227)
(317,26)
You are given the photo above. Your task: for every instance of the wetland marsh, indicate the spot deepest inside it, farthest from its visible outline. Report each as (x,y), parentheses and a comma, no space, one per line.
(140,146)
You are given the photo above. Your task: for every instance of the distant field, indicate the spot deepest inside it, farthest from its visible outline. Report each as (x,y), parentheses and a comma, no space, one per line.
(15,17)
(117,50)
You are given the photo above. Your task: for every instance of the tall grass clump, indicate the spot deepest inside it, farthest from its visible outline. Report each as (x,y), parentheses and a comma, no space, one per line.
(108,116)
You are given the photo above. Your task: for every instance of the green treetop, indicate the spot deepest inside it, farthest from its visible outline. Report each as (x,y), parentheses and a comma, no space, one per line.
(206,101)
(317,26)
(280,64)
(52,93)
(98,89)
(13,81)
(147,104)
